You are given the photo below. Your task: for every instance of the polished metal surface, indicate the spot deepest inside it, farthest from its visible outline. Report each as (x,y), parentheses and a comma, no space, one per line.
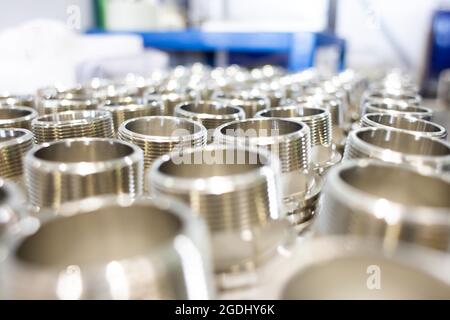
(169,99)
(209,113)
(14,143)
(397,108)
(158,135)
(128,108)
(317,119)
(236,191)
(394,203)
(287,139)
(73,124)
(19,100)
(249,102)
(11,208)
(404,123)
(391,96)
(110,248)
(342,267)
(395,146)
(16,117)
(72,169)
(49,105)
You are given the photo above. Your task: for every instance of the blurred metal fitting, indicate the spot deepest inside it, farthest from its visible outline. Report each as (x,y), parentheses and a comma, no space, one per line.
(129,108)
(395,146)
(317,119)
(275,96)
(383,96)
(11,210)
(236,191)
(363,267)
(387,201)
(78,92)
(16,100)
(404,123)
(73,124)
(443,90)
(53,105)
(158,135)
(251,104)
(169,100)
(209,113)
(14,143)
(72,169)
(110,248)
(287,139)
(17,117)
(398,108)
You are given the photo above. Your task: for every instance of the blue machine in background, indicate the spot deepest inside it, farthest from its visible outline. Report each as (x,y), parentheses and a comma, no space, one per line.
(298,48)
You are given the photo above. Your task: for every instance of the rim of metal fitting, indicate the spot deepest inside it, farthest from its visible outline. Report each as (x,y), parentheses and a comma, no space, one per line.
(16,115)
(202,110)
(399,108)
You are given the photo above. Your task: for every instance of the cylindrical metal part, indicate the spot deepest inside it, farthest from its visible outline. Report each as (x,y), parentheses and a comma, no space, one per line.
(170,99)
(392,96)
(16,117)
(130,108)
(110,248)
(364,268)
(72,169)
(235,190)
(251,104)
(158,135)
(49,105)
(16,100)
(73,124)
(209,113)
(317,119)
(14,143)
(395,146)
(395,203)
(287,139)
(404,123)
(398,109)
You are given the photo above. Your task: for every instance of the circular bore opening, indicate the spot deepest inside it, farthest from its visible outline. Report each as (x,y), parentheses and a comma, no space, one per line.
(393,96)
(71,116)
(10,134)
(347,278)
(107,234)
(410,124)
(404,142)
(261,128)
(12,113)
(291,112)
(165,127)
(208,163)
(83,151)
(398,185)
(210,108)
(397,107)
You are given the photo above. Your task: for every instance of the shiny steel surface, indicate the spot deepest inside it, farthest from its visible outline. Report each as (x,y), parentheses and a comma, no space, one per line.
(249,102)
(110,248)
(72,169)
(404,123)
(398,108)
(49,105)
(237,194)
(392,96)
(16,117)
(209,113)
(19,100)
(398,147)
(73,124)
(394,203)
(125,109)
(287,139)
(14,143)
(170,100)
(317,119)
(354,268)
(11,207)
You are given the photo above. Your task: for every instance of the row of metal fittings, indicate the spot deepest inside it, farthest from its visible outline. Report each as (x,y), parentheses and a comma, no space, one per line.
(200,182)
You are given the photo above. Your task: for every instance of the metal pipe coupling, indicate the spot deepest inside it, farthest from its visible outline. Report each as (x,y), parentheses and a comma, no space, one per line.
(395,146)
(388,96)
(14,143)
(398,108)
(72,169)
(17,117)
(209,113)
(158,135)
(72,124)
(317,119)
(236,191)
(110,248)
(169,99)
(249,102)
(129,108)
(404,123)
(7,99)
(391,202)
